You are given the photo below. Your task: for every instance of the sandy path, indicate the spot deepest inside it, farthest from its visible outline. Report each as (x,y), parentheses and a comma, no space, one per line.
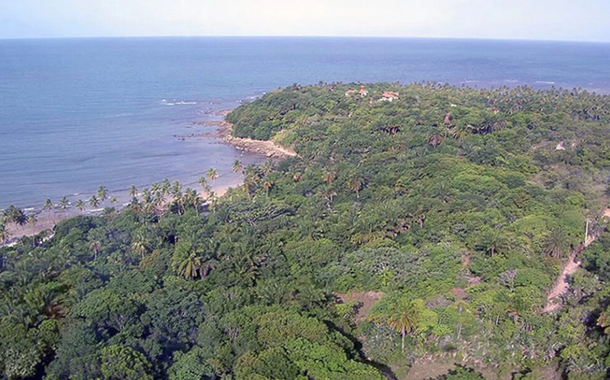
(570,267)
(561,285)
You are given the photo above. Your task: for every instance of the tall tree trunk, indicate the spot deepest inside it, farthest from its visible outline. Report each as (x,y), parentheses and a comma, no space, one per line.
(403,332)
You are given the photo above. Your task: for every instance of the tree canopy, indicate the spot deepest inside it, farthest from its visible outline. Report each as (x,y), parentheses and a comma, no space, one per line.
(456,208)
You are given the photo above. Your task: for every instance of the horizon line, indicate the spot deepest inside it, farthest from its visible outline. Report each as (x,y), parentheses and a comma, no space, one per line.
(306,36)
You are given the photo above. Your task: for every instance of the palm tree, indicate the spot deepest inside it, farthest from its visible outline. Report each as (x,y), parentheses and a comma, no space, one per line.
(208,189)
(296,176)
(253,173)
(155,189)
(113,200)
(212,174)
(139,246)
(189,267)
(102,193)
(133,191)
(176,190)
(165,186)
(51,306)
(328,194)
(15,215)
(80,205)
(492,241)
(267,185)
(94,201)
(63,203)
(4,234)
(158,196)
(356,184)
(202,182)
(402,316)
(555,243)
(48,205)
(329,176)
(267,167)
(32,219)
(146,196)
(237,166)
(310,297)
(95,246)
(135,205)
(250,181)
(461,131)
(191,198)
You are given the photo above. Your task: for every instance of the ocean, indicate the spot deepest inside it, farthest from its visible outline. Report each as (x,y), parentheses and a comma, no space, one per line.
(79,113)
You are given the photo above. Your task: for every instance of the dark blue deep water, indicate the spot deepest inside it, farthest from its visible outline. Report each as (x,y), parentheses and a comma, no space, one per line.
(79,113)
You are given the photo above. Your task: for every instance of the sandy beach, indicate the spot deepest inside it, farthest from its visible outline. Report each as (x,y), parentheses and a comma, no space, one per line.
(48,219)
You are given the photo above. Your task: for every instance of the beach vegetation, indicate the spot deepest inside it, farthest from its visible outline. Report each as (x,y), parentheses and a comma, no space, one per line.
(212,174)
(95,201)
(102,193)
(133,191)
(431,228)
(48,205)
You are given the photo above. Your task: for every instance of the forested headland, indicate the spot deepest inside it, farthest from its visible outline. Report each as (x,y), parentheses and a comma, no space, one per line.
(418,226)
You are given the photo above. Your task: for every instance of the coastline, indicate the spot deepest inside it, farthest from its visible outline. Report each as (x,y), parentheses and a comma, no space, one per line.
(48,219)
(263,147)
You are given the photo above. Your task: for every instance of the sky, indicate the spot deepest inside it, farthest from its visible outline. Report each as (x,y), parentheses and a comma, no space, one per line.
(570,20)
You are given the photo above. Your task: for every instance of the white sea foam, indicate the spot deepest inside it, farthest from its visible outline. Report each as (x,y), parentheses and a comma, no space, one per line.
(544,82)
(180,103)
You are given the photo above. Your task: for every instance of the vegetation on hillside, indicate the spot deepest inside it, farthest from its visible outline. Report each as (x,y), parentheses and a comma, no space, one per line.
(457,205)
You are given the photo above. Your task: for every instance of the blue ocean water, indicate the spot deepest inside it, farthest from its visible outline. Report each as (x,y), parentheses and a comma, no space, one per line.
(79,113)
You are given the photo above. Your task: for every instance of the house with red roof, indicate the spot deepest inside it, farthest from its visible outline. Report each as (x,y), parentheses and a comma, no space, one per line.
(389,96)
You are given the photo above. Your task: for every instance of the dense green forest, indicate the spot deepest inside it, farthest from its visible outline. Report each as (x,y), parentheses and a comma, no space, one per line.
(418,224)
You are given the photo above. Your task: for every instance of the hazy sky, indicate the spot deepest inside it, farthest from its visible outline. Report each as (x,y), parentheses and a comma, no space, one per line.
(587,20)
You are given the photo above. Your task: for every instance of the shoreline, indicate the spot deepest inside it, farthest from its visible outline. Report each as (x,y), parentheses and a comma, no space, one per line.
(263,147)
(48,219)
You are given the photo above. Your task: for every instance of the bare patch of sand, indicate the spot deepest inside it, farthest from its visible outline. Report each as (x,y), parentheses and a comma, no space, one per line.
(433,366)
(459,294)
(366,301)
(561,285)
(424,369)
(46,221)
